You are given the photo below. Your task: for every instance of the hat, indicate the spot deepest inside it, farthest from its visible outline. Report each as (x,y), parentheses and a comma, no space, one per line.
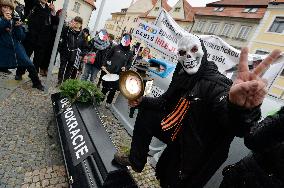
(8,3)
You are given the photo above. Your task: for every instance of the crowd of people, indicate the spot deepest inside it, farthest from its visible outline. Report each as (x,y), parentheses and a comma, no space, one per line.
(30,30)
(196,147)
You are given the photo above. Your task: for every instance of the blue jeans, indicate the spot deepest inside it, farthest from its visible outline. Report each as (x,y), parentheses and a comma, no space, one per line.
(90,70)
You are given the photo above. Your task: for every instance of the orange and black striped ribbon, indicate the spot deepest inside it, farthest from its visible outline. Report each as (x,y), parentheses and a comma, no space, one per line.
(174,119)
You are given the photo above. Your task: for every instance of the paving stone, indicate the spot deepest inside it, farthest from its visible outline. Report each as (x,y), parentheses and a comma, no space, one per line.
(45,183)
(38,159)
(35,179)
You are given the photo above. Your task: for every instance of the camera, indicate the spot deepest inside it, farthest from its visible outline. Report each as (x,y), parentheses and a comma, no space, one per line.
(16,17)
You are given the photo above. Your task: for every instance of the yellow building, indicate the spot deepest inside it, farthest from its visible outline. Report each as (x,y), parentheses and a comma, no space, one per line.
(269,36)
(234,21)
(270,32)
(115,24)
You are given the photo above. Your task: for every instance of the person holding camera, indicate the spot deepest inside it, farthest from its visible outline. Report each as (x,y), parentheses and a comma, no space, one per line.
(41,19)
(11,50)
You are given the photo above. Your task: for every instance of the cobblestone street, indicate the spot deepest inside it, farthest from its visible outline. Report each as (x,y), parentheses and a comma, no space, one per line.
(30,154)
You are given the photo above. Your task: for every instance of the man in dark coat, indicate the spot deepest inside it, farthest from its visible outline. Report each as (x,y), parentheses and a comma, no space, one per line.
(41,19)
(197,117)
(264,168)
(118,58)
(69,48)
(11,50)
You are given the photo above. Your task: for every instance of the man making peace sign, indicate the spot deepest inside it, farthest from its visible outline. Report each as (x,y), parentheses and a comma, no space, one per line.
(197,117)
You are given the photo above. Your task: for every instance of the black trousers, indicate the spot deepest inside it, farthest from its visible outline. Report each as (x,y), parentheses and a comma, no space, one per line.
(66,69)
(147,125)
(41,57)
(110,87)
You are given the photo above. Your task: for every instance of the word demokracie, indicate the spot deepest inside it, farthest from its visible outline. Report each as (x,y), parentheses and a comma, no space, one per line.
(75,134)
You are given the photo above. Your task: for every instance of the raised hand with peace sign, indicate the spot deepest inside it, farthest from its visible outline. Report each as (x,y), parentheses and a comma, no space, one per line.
(249,89)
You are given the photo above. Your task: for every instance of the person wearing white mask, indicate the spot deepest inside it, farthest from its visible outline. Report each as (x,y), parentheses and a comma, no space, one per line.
(197,117)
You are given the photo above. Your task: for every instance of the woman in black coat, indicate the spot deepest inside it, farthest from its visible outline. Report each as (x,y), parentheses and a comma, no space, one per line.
(264,168)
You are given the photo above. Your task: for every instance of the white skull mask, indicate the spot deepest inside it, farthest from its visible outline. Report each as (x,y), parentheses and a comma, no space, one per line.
(190,53)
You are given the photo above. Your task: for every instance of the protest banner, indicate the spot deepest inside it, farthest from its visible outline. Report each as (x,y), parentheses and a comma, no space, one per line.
(146,32)
(168,33)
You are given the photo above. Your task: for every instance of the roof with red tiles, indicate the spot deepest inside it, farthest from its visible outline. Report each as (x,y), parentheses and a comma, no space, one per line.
(165,4)
(188,11)
(239,3)
(91,2)
(235,12)
(276,1)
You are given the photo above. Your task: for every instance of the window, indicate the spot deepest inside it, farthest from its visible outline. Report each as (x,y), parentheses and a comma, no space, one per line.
(219,9)
(213,27)
(227,29)
(277,25)
(177,9)
(76,7)
(261,52)
(135,19)
(250,10)
(243,33)
(128,18)
(157,8)
(200,26)
(277,88)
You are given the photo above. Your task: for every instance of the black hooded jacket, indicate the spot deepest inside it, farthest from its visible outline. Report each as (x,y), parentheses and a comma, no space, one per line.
(117,57)
(266,140)
(208,128)
(41,23)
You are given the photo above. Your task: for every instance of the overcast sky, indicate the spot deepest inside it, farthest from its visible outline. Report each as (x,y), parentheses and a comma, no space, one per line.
(116,5)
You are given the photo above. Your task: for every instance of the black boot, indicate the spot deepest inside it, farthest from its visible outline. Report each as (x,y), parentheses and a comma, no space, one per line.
(34,77)
(123,159)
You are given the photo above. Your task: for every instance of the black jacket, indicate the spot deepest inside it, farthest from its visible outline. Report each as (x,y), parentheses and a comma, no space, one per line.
(70,40)
(266,140)
(100,53)
(118,57)
(207,131)
(40,23)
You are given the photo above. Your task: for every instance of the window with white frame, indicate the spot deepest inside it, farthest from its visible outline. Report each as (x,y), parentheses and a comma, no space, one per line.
(157,8)
(277,87)
(277,25)
(244,32)
(213,28)
(261,52)
(76,7)
(227,29)
(200,26)
(177,9)
(219,9)
(131,30)
(250,10)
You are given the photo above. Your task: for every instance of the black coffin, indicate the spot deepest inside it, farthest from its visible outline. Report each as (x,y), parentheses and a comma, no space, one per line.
(86,147)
